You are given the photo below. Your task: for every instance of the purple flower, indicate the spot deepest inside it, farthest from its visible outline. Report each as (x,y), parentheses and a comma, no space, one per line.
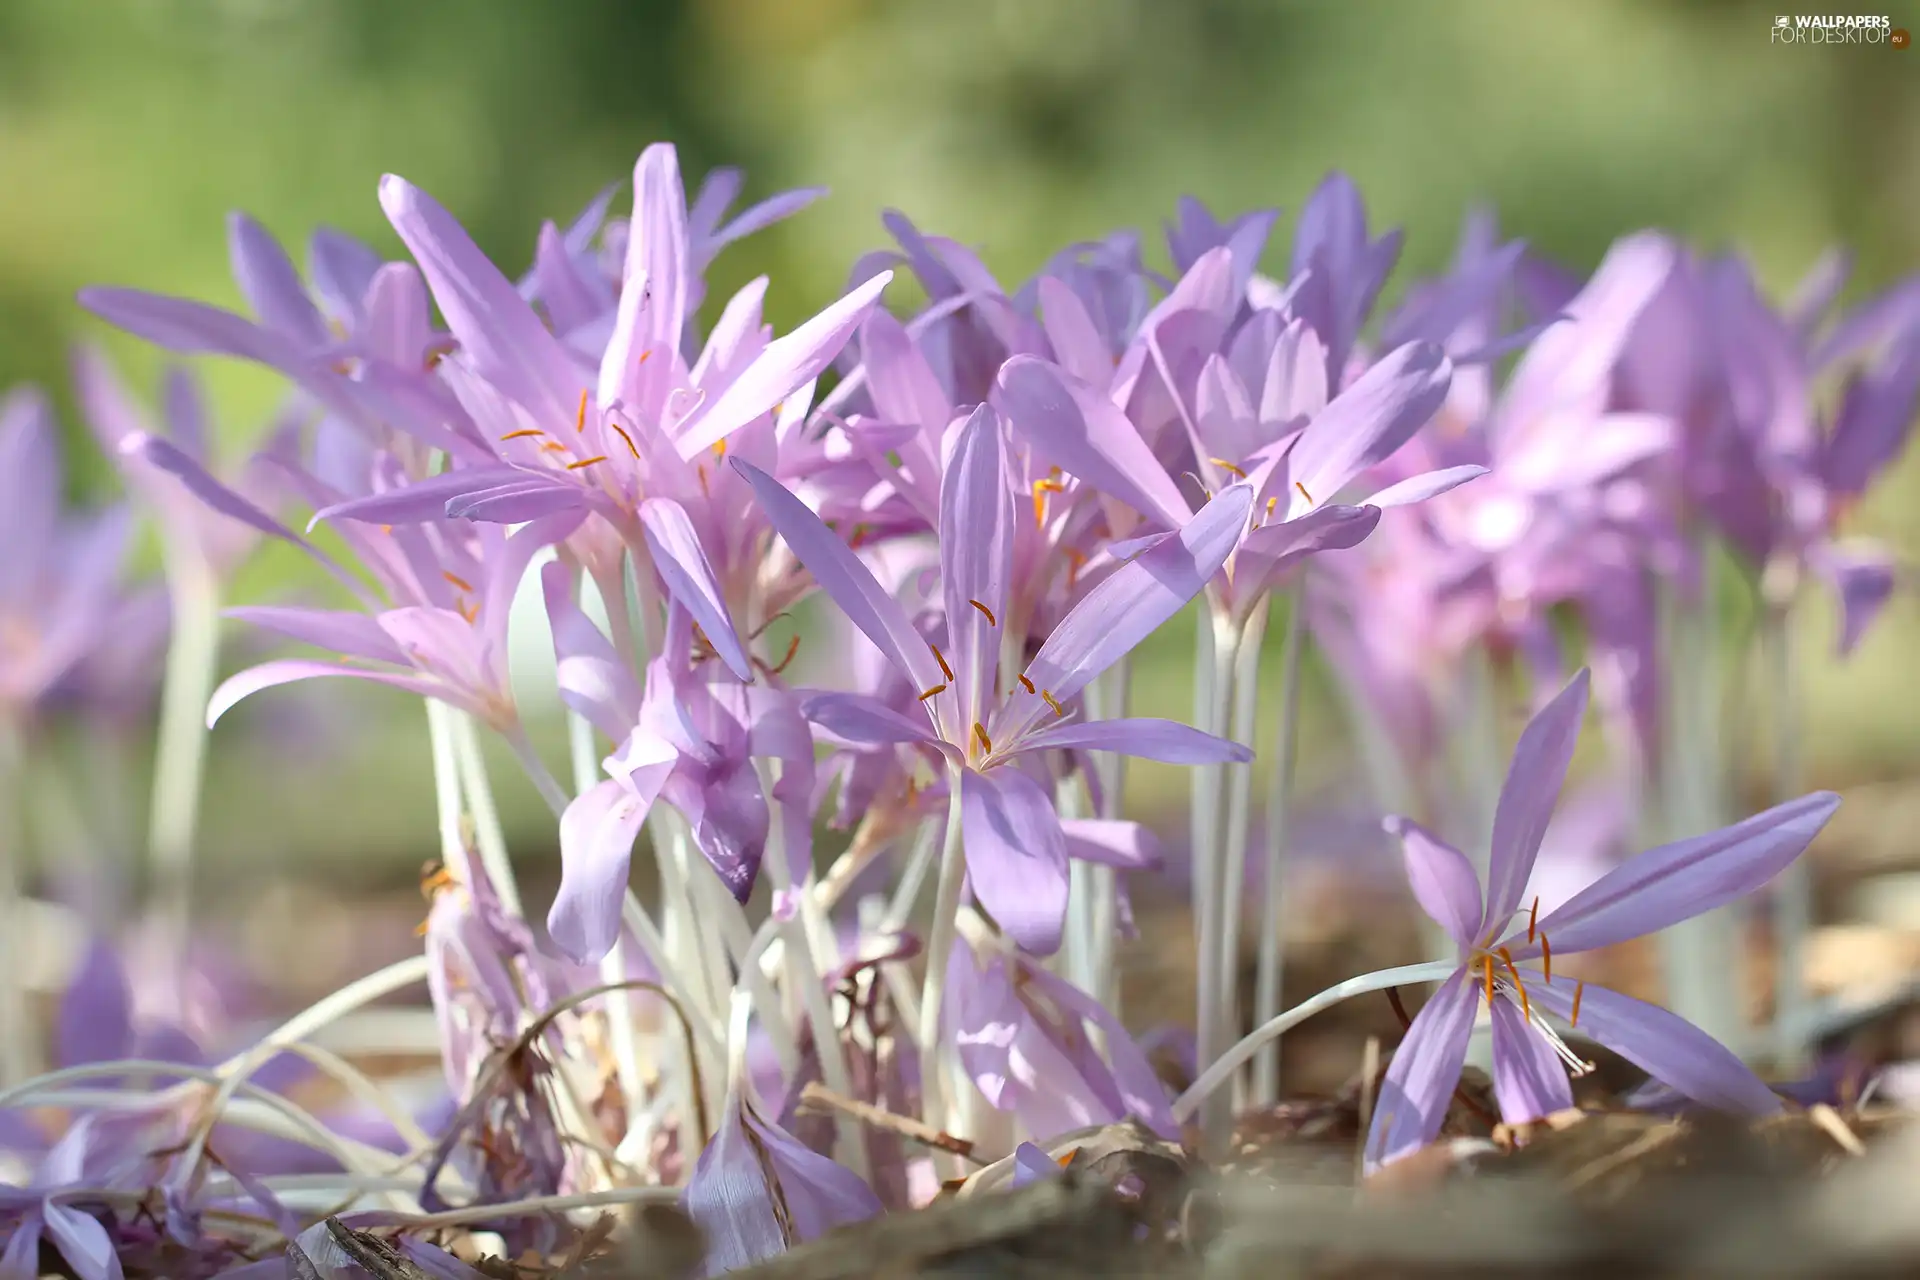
(1015,847)
(40,1211)
(1647,893)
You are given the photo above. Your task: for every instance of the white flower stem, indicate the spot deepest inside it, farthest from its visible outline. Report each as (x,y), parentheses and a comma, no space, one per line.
(1272,953)
(454,854)
(1239,786)
(537,772)
(1793,892)
(946,912)
(179,766)
(1111,695)
(487,833)
(18,1032)
(1214,689)
(1222,1068)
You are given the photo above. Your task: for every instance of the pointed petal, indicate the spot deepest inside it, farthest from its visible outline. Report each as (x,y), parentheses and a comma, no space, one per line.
(1031,1164)
(842,576)
(1427,484)
(269,674)
(422,500)
(1368,422)
(1864,579)
(1423,1074)
(730,1200)
(900,382)
(976,554)
(1167,741)
(597,832)
(1528,797)
(1077,345)
(1678,881)
(682,564)
(500,336)
(1129,846)
(864,721)
(1529,1080)
(760,216)
(653,297)
(82,1241)
(1079,428)
(527,497)
(1142,1092)
(342,269)
(96,1012)
(1143,593)
(271,284)
(1016,856)
(21,1258)
(1273,548)
(354,635)
(595,681)
(787,364)
(1442,880)
(1664,1045)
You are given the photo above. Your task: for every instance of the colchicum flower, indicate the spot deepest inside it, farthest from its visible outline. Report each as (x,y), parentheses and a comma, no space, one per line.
(1647,893)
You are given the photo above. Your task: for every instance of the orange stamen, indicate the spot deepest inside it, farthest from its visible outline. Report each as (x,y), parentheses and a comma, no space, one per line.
(1057,708)
(619,431)
(937,689)
(944,668)
(983,609)
(1533,917)
(523,433)
(586,462)
(1272,505)
(1580,989)
(701,471)
(793,647)
(1519,986)
(580,417)
(1076,561)
(1224,465)
(458,581)
(554,446)
(1546,958)
(1041,488)
(1487,963)
(1025,683)
(468,610)
(1303,491)
(986,743)
(719,448)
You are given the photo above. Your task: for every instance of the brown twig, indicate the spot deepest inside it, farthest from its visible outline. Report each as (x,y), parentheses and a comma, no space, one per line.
(822,1101)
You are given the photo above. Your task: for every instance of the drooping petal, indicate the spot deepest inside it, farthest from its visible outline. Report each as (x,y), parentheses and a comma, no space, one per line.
(1676,882)
(1529,1080)
(1129,846)
(1079,428)
(842,576)
(1528,797)
(597,832)
(863,721)
(1141,1090)
(1167,741)
(976,555)
(1423,1074)
(1442,880)
(682,564)
(1664,1045)
(1016,856)
(269,674)
(1367,423)
(787,364)
(1131,603)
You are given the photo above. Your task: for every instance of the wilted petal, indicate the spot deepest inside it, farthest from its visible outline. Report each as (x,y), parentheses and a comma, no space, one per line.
(1423,1074)
(1678,881)
(1131,603)
(1442,880)
(1167,741)
(1528,797)
(597,832)
(842,576)
(1664,1045)
(1129,846)
(1529,1080)
(682,564)
(1016,855)
(1073,424)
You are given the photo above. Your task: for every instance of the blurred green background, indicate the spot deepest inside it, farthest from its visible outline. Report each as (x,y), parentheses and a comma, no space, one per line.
(128,128)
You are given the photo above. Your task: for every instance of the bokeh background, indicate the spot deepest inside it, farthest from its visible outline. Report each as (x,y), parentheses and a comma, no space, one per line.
(128,129)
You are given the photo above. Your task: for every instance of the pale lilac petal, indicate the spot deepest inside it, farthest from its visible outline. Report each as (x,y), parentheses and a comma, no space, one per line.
(1368,422)
(729,1199)
(787,364)
(1296,385)
(976,553)
(1529,1080)
(82,1241)
(638,363)
(30,481)
(1142,1093)
(269,674)
(1425,1070)
(842,576)
(682,564)
(900,382)
(1442,880)
(1664,1045)
(95,1021)
(572,300)
(399,317)
(500,335)
(110,411)
(21,1258)
(1527,799)
(1676,882)
(760,216)
(350,634)
(1604,447)
(1167,741)
(1864,579)
(1128,846)
(856,719)
(1016,856)
(165,456)
(190,328)
(342,269)
(271,284)
(422,500)
(595,681)
(1077,345)
(597,832)
(1131,603)
(1079,428)
(1031,1164)
(1428,484)
(528,497)
(1273,548)
(819,1194)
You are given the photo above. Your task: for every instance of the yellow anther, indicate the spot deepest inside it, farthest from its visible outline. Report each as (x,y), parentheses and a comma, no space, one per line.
(1525,1007)
(1546,958)
(793,647)
(1579,989)
(1272,503)
(944,668)
(554,446)
(1224,465)
(580,417)
(456,580)
(1303,491)
(980,732)
(719,448)
(621,432)
(1486,962)
(1533,917)
(1057,708)
(1026,684)
(1041,488)
(983,609)
(523,433)
(586,462)
(937,689)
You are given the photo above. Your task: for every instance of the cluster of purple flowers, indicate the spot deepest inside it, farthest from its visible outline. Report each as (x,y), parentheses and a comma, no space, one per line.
(1004,493)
